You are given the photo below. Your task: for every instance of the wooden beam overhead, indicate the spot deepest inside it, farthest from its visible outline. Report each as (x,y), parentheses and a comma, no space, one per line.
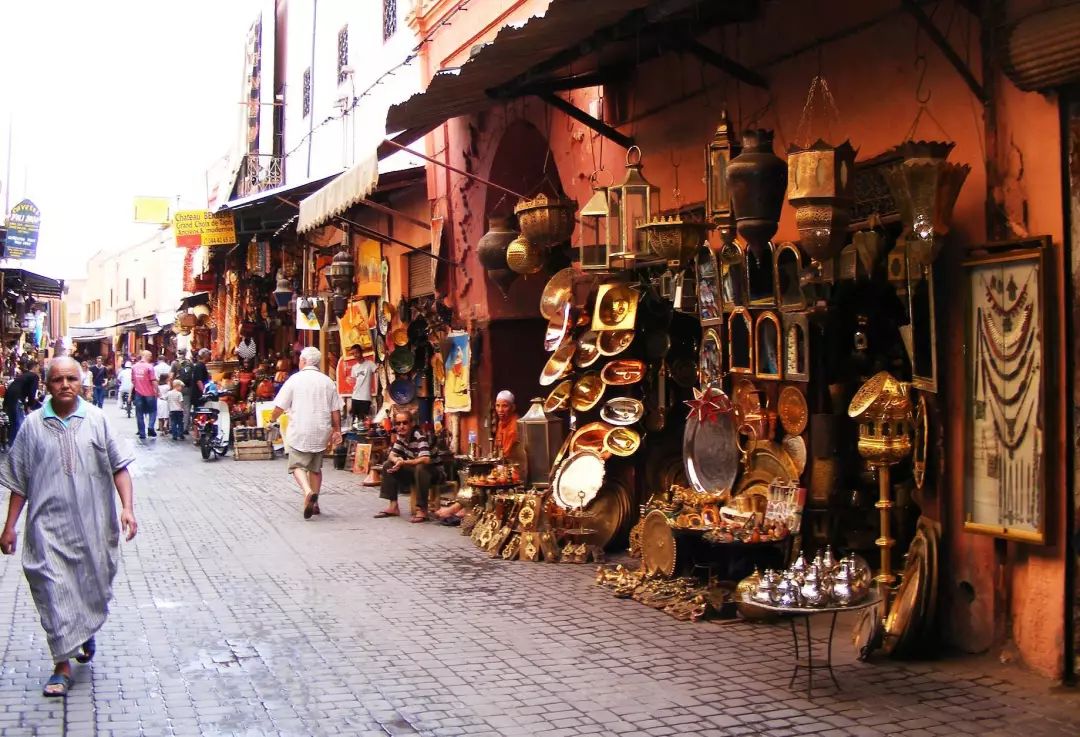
(723,63)
(927,24)
(587,120)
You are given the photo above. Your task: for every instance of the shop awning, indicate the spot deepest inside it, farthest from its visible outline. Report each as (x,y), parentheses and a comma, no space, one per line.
(354,185)
(267,211)
(198,298)
(1042,51)
(516,50)
(20,280)
(89,338)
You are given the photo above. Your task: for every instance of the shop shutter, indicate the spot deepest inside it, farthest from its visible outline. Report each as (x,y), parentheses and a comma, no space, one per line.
(420,275)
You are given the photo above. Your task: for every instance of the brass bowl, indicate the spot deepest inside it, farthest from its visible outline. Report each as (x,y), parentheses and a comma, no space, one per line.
(623,372)
(399,337)
(558,292)
(558,365)
(556,334)
(546,221)
(622,441)
(622,411)
(589,437)
(616,307)
(559,398)
(587,392)
(587,350)
(673,239)
(614,342)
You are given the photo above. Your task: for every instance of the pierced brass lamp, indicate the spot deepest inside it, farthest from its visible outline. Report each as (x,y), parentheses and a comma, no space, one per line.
(883,410)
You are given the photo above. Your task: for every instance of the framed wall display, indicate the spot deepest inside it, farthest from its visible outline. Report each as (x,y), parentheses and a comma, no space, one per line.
(709,300)
(740,335)
(796,346)
(768,349)
(1005,440)
(788,273)
(733,284)
(711,365)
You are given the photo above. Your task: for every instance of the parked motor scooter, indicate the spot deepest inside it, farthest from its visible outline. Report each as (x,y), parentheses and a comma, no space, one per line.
(213,428)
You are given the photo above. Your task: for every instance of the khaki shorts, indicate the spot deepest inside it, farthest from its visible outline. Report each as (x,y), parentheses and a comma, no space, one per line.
(311,462)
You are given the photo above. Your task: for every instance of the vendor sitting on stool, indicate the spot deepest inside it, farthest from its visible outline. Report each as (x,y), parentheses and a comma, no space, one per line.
(506,445)
(407,462)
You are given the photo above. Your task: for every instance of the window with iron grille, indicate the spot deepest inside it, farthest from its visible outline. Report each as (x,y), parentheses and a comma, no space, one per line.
(389,18)
(342,53)
(307,92)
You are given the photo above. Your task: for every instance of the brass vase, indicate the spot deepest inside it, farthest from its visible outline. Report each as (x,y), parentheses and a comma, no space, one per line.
(820,186)
(757,180)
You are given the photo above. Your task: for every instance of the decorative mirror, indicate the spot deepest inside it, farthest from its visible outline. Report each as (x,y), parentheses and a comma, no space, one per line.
(733,276)
(711,366)
(788,270)
(796,347)
(767,346)
(923,327)
(740,342)
(761,277)
(709,299)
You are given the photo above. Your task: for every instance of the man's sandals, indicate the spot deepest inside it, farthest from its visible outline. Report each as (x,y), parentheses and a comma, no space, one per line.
(311,505)
(57,686)
(87,651)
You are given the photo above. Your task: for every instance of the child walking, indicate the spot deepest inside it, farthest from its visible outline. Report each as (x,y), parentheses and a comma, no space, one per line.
(174,399)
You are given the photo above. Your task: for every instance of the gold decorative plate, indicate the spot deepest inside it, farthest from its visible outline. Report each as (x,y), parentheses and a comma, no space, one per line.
(558,292)
(559,398)
(578,479)
(622,441)
(623,372)
(622,411)
(587,392)
(658,547)
(558,365)
(587,350)
(589,437)
(614,342)
(616,307)
(792,410)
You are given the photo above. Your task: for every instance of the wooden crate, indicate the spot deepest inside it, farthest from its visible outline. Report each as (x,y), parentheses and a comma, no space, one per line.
(253,450)
(245,434)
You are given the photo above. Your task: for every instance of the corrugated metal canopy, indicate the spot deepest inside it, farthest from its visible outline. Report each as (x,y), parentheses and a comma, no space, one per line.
(1043,49)
(21,280)
(514,51)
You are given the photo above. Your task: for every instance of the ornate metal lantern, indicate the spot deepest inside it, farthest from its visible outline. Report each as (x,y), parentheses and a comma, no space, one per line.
(820,186)
(634,202)
(757,180)
(599,229)
(283,292)
(339,275)
(542,436)
(925,187)
(882,407)
(718,154)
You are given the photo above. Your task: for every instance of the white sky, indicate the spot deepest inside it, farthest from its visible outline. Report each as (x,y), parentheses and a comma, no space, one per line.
(110,100)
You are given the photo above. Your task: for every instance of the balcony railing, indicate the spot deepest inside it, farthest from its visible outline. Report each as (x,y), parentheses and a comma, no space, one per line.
(258,173)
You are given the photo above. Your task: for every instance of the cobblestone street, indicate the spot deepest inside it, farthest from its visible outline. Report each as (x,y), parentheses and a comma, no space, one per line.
(234,616)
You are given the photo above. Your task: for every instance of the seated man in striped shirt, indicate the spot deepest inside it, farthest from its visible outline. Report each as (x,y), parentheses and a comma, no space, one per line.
(408,462)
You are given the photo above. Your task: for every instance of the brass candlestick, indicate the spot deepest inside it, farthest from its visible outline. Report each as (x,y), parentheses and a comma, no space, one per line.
(883,410)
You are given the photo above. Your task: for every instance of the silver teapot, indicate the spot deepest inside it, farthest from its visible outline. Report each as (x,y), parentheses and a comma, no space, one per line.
(798,568)
(842,592)
(813,593)
(828,560)
(766,593)
(788,591)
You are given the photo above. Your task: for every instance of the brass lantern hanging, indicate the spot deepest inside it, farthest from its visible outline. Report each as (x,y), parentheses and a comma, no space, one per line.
(599,230)
(718,153)
(634,202)
(820,185)
(925,187)
(339,275)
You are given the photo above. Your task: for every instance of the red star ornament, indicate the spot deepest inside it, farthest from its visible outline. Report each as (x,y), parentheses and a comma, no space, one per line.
(708,405)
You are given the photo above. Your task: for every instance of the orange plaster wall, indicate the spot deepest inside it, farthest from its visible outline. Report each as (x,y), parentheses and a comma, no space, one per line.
(873,79)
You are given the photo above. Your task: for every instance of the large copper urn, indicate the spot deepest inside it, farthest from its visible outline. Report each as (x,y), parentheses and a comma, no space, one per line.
(757,181)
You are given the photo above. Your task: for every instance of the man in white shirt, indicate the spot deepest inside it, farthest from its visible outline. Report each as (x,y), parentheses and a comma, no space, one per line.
(363,374)
(311,398)
(162,368)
